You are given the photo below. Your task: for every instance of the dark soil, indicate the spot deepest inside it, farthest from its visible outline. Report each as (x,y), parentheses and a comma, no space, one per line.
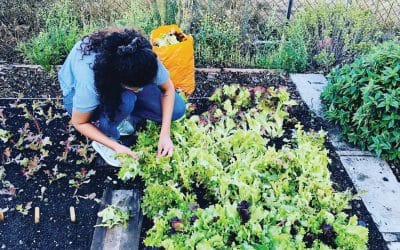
(395,166)
(27,82)
(55,231)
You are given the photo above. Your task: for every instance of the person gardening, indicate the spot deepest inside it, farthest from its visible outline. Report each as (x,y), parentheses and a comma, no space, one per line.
(112,80)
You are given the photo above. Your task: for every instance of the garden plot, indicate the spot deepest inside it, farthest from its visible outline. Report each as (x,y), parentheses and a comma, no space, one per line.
(51,233)
(46,164)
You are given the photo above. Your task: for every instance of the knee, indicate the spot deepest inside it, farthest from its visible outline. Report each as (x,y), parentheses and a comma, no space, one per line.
(107,127)
(128,99)
(179,107)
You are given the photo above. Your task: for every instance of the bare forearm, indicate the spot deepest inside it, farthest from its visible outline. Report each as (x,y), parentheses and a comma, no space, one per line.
(167,105)
(93,133)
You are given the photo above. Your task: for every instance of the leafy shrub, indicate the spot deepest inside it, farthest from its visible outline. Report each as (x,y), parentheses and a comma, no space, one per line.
(142,15)
(364,98)
(66,21)
(292,52)
(225,189)
(333,32)
(61,31)
(217,41)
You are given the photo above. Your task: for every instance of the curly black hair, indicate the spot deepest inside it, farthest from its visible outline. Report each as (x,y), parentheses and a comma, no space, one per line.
(124,57)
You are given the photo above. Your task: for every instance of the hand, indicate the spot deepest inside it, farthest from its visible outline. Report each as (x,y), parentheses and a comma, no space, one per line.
(165,146)
(121,149)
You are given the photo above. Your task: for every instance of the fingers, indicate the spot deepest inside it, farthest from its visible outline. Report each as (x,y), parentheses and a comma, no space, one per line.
(134,156)
(170,151)
(165,151)
(160,150)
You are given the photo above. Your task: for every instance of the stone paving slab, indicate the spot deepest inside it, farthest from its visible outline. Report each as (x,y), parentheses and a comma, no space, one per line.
(310,86)
(372,177)
(340,144)
(120,238)
(394,246)
(379,189)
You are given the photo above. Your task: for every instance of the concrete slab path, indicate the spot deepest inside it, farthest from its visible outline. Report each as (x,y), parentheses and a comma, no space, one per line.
(372,177)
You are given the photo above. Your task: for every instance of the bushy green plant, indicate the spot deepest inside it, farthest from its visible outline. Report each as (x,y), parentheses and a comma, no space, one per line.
(292,52)
(364,98)
(218,41)
(61,31)
(333,32)
(141,15)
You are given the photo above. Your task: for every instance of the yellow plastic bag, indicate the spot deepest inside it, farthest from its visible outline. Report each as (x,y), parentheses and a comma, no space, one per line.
(177,58)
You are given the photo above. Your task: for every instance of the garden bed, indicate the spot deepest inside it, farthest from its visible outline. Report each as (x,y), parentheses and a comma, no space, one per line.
(55,229)
(37,174)
(27,81)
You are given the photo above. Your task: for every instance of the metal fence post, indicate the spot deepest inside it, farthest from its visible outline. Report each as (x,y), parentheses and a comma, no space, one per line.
(289,10)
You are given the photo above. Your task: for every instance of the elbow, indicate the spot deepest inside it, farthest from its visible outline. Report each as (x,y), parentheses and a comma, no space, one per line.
(74,123)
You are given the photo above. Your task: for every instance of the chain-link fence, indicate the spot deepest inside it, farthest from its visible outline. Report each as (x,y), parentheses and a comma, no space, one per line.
(386,11)
(262,19)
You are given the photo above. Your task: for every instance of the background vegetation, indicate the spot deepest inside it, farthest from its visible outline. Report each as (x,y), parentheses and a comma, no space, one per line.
(232,33)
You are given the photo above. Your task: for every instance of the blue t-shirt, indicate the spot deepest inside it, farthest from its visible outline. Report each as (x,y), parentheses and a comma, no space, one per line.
(76,76)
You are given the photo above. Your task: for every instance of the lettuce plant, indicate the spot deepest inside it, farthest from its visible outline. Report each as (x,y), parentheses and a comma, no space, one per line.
(113,216)
(224,188)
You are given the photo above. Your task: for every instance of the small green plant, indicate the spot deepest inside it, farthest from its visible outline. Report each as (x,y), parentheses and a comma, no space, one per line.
(292,53)
(113,216)
(171,196)
(24,210)
(364,98)
(325,60)
(80,178)
(5,135)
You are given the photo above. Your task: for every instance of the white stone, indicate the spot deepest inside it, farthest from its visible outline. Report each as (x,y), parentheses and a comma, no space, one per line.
(394,246)
(379,189)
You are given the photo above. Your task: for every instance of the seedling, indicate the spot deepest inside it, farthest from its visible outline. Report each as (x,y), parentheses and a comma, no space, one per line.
(114,216)
(80,178)
(85,151)
(67,148)
(5,135)
(24,210)
(54,175)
